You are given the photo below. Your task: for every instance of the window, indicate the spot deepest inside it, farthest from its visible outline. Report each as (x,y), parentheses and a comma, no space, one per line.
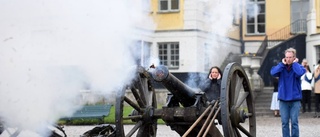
(146,5)
(317,53)
(168,5)
(256,24)
(207,57)
(142,53)
(169,54)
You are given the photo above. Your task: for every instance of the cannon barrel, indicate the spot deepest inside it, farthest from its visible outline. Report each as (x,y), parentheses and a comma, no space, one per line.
(182,92)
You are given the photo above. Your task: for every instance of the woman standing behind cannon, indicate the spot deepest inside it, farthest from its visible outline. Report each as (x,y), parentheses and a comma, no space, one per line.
(212,84)
(306,87)
(274,101)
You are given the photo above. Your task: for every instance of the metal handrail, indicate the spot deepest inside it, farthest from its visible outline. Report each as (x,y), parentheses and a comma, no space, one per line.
(262,47)
(295,28)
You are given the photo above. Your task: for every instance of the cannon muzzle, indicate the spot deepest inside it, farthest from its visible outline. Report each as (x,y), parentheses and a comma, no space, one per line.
(182,92)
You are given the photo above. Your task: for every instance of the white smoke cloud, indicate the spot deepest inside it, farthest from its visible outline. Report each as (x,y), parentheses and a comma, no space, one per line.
(252,9)
(219,16)
(52,49)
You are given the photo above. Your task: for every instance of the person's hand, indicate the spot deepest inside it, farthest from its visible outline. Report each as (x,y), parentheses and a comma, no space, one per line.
(210,77)
(219,76)
(296,60)
(284,61)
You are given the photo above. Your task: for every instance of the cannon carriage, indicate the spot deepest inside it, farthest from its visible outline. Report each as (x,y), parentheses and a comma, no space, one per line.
(187,111)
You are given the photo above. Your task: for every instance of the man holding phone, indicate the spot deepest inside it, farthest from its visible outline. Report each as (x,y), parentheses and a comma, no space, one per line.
(289,72)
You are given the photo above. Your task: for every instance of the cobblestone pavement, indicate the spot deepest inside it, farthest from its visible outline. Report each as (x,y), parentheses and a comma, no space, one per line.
(267,126)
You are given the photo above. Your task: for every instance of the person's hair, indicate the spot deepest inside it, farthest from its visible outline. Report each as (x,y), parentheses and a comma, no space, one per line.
(216,67)
(308,68)
(319,61)
(291,50)
(304,60)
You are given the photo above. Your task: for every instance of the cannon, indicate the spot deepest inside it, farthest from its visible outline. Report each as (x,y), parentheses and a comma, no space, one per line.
(187,110)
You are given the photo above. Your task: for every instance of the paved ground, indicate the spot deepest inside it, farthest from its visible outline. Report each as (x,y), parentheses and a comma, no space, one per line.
(267,126)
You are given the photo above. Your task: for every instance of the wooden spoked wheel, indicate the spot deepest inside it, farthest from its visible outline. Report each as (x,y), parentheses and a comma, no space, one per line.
(143,103)
(237,103)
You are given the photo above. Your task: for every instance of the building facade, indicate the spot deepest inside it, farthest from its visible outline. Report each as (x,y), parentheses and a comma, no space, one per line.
(190,36)
(184,39)
(313,37)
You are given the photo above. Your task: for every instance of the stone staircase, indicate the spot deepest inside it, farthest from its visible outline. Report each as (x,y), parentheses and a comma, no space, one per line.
(263,102)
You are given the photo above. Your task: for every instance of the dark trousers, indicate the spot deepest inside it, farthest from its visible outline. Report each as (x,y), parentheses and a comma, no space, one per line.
(306,99)
(317,98)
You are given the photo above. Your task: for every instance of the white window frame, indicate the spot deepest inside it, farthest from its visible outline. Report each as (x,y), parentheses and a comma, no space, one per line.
(317,53)
(256,23)
(171,63)
(143,53)
(207,61)
(169,6)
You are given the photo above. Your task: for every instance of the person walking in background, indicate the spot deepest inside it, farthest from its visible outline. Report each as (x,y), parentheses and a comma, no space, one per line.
(289,72)
(317,88)
(306,87)
(275,102)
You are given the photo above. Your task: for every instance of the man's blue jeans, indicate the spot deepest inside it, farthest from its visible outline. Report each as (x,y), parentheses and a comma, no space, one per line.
(289,110)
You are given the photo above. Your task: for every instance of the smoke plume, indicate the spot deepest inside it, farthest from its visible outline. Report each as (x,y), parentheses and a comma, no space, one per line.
(52,49)
(220,17)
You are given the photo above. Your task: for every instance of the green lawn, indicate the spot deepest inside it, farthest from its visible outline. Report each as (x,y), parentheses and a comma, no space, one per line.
(126,111)
(110,119)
